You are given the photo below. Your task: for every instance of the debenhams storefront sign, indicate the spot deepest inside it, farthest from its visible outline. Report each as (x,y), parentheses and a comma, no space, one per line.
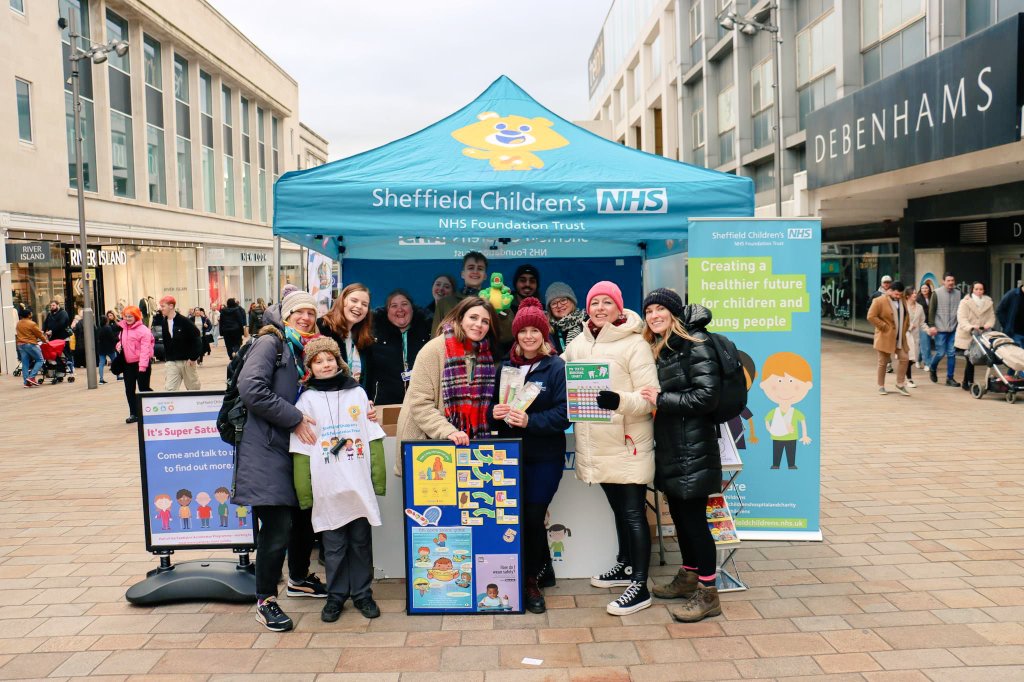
(965,98)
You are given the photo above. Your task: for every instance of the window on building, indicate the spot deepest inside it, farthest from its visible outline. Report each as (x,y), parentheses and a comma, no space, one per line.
(261,157)
(892,36)
(121,136)
(697,117)
(18,6)
(815,95)
(696,30)
(723,7)
(807,11)
(764,177)
(87,118)
(727,124)
(229,151)
(246,161)
(762,96)
(206,141)
(981,14)
(654,68)
(155,156)
(22,93)
(183,125)
(816,47)
(275,132)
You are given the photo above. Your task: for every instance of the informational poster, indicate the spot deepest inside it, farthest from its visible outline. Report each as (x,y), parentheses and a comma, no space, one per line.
(320,273)
(583,381)
(761,280)
(720,521)
(187,474)
(462,527)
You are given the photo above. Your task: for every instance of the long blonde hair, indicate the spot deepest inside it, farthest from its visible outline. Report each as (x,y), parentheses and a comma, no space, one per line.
(660,343)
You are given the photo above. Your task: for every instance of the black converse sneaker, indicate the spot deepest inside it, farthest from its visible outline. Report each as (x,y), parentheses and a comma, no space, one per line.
(270,614)
(634,598)
(620,575)
(310,586)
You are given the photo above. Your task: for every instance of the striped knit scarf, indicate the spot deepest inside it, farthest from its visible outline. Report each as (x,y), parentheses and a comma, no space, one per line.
(298,340)
(466,400)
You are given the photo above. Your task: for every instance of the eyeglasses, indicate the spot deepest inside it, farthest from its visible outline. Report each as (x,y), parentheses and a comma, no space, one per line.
(560,302)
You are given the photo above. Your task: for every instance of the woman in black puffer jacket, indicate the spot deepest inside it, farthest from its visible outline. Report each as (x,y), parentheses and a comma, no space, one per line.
(688,466)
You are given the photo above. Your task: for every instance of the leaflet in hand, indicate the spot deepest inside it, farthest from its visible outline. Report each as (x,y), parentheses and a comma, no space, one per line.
(524,397)
(510,382)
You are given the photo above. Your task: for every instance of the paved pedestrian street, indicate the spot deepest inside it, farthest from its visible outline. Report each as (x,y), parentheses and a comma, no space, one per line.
(920,577)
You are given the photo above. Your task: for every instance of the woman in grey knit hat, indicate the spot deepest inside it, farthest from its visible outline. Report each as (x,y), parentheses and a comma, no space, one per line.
(567,319)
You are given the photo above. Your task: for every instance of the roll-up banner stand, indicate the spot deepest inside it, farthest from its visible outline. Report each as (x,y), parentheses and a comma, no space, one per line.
(761,280)
(462,526)
(187,478)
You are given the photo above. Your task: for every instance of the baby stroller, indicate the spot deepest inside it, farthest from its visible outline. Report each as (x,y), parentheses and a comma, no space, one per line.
(991,350)
(55,366)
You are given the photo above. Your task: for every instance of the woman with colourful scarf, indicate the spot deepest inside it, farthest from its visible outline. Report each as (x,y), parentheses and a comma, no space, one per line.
(452,381)
(268,385)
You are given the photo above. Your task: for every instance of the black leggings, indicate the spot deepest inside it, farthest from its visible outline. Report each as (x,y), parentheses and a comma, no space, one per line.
(281,529)
(535,543)
(695,541)
(134,378)
(629,505)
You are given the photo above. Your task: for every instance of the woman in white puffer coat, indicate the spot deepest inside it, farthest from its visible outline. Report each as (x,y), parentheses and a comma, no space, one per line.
(619,455)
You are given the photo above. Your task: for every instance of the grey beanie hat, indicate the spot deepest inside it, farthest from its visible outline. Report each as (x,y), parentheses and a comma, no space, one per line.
(559,290)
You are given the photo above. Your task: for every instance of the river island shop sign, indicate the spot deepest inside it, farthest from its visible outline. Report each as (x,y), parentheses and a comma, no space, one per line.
(963,99)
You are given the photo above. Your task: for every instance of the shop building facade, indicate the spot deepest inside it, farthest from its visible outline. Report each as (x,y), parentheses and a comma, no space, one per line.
(667,78)
(183,138)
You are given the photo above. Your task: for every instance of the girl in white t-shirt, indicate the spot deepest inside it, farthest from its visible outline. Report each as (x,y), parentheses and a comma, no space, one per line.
(334,476)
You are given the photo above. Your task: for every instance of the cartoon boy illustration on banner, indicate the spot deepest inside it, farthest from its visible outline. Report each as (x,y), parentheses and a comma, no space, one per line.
(786,381)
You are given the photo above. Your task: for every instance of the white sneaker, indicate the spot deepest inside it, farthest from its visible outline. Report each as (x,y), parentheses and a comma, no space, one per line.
(911,384)
(882,391)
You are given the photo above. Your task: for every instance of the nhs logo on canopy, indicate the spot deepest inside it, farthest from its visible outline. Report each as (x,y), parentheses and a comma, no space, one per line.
(633,200)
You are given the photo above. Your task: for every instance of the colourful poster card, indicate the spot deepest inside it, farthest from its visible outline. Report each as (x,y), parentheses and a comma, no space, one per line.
(433,470)
(497,582)
(583,381)
(441,574)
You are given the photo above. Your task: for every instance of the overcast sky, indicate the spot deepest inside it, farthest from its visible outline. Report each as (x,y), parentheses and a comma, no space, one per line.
(372,71)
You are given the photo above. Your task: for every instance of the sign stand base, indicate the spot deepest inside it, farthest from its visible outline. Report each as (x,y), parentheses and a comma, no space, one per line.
(200,580)
(728,580)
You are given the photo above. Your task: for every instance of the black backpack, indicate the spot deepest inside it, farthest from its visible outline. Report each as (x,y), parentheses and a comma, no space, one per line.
(733,399)
(233,412)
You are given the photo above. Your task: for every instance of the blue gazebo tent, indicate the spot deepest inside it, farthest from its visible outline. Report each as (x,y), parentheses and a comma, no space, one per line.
(502,167)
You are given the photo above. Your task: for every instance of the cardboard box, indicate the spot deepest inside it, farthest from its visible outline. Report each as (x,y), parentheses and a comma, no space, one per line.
(667,526)
(387,417)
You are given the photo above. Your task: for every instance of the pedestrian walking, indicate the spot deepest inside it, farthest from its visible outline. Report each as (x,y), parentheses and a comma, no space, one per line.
(942,312)
(232,326)
(976,313)
(27,337)
(687,463)
(891,320)
(57,325)
(918,324)
(268,385)
(927,344)
(107,334)
(619,454)
(183,346)
(137,344)
(542,430)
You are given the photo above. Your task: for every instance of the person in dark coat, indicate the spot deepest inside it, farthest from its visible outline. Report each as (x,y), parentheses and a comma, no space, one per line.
(542,428)
(687,463)
(401,330)
(107,333)
(232,326)
(263,465)
(57,325)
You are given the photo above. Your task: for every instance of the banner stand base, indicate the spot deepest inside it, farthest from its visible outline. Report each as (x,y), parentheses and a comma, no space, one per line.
(200,580)
(728,579)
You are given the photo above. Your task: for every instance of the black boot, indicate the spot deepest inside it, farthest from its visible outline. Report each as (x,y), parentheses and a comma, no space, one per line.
(534,598)
(546,575)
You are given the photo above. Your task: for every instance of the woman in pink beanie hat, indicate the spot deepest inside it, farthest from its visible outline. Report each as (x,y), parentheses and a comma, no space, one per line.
(619,454)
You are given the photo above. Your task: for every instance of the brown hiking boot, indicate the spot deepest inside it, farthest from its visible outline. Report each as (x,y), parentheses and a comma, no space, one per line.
(684,584)
(702,604)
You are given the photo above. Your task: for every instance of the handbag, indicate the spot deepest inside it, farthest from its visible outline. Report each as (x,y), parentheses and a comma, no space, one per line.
(118,364)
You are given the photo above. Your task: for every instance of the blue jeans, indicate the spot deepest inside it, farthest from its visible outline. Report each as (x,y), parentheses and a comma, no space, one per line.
(926,349)
(31,360)
(944,346)
(103,360)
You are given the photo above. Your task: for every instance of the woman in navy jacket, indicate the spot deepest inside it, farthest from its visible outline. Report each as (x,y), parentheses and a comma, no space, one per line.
(542,428)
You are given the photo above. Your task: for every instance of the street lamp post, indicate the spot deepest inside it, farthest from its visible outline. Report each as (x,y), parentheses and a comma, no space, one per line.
(749,27)
(97,54)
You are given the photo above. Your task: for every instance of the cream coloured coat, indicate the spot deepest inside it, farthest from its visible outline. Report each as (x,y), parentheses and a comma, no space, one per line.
(603,454)
(973,315)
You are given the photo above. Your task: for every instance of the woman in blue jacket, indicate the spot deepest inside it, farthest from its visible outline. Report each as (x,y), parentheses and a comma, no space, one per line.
(542,428)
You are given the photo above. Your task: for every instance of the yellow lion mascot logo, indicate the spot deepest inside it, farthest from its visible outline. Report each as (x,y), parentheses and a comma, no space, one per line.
(508,142)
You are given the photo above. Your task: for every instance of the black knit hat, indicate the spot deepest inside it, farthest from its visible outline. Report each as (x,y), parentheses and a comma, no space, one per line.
(666,298)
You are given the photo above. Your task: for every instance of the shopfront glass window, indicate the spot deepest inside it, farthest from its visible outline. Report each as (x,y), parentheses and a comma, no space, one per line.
(850,274)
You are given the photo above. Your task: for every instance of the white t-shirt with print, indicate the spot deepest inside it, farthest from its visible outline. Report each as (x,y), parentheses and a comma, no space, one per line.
(342,487)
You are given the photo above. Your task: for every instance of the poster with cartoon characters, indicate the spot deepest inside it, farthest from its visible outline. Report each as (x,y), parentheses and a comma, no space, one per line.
(761,280)
(462,544)
(187,472)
